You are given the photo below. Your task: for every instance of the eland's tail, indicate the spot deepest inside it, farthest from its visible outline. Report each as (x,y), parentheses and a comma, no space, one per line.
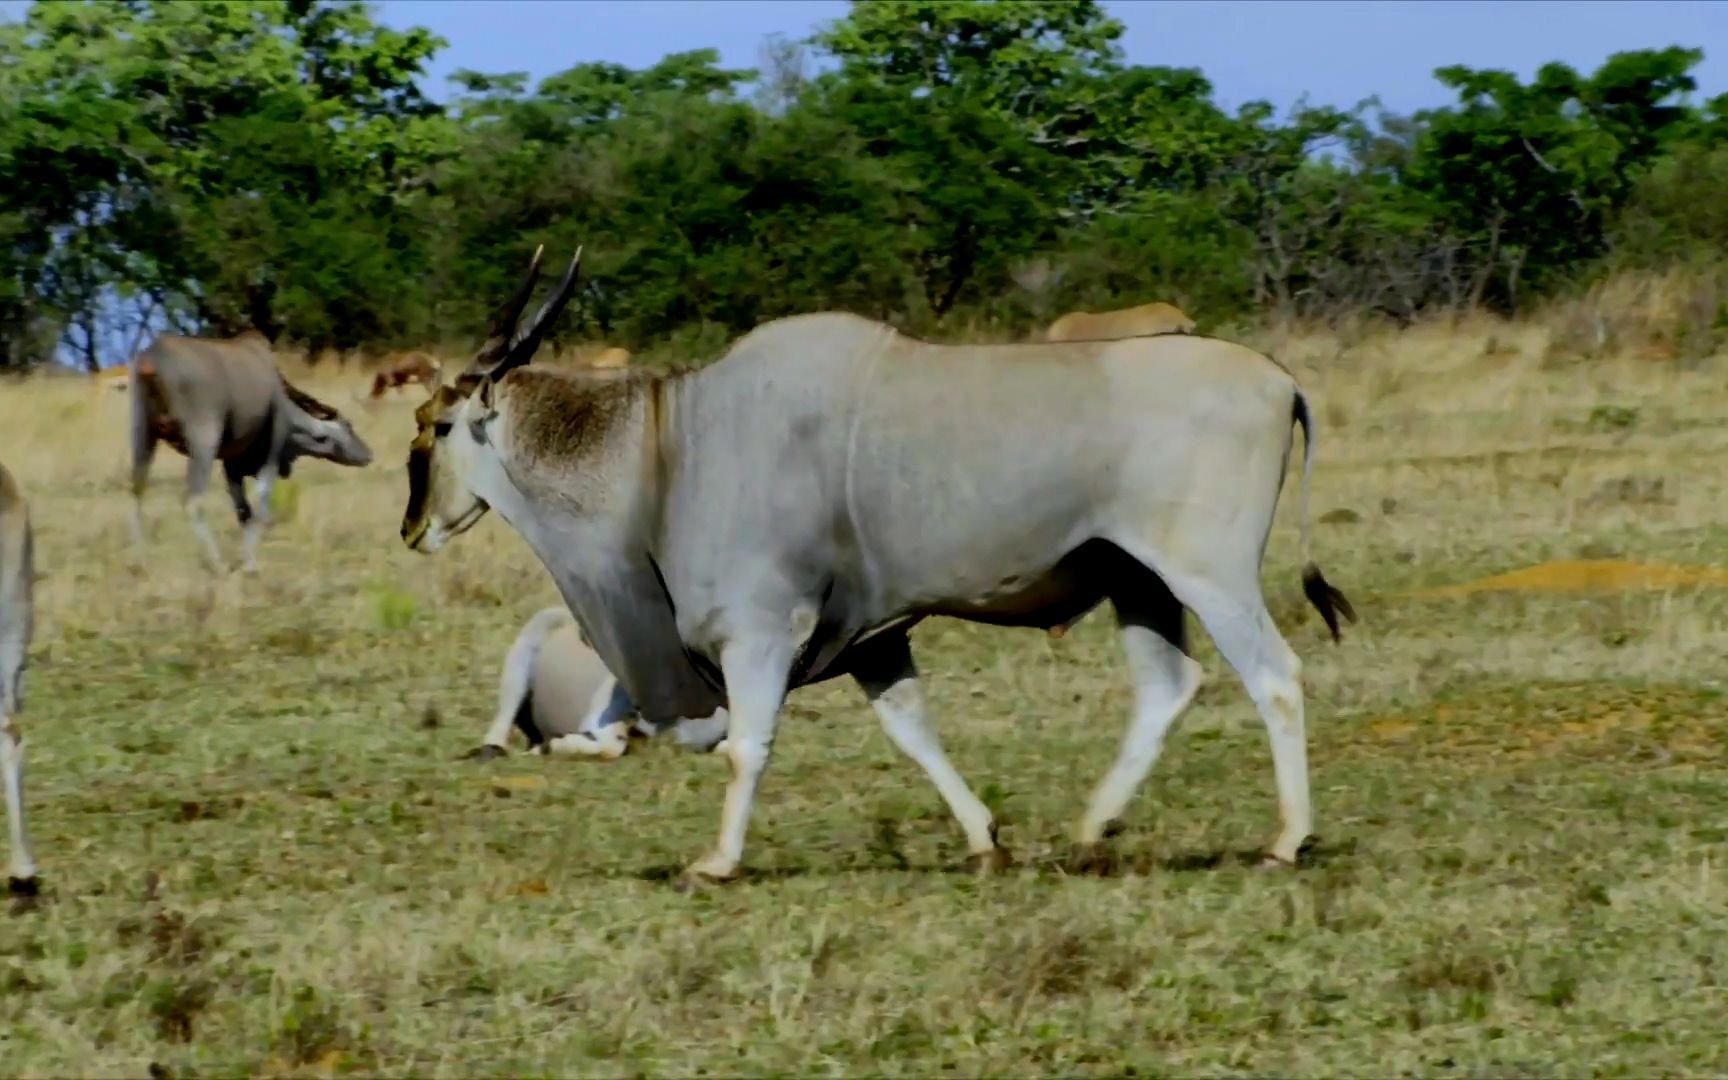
(1328,601)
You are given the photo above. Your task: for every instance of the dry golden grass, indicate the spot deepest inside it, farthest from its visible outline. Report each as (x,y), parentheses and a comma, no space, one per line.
(263,859)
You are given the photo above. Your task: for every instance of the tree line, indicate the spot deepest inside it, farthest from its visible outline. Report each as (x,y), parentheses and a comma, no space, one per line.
(954,163)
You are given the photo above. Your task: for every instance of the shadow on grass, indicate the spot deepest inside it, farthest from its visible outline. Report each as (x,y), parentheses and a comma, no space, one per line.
(1313,853)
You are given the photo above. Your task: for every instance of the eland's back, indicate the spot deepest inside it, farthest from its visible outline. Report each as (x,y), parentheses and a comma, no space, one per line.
(226,383)
(953,466)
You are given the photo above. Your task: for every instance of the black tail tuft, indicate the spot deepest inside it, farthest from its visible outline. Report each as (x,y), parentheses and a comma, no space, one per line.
(1329,602)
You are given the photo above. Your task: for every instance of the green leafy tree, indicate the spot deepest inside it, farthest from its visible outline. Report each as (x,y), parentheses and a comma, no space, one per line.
(215,166)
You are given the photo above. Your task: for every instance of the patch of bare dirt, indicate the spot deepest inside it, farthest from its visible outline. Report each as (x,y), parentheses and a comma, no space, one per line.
(1586,575)
(1655,726)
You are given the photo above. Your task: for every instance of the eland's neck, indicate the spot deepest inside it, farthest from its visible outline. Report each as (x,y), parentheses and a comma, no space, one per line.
(573,468)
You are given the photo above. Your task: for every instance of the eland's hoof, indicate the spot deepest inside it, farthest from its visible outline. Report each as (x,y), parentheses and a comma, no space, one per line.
(687,883)
(1271,860)
(483,752)
(1095,859)
(26,894)
(989,863)
(710,869)
(693,880)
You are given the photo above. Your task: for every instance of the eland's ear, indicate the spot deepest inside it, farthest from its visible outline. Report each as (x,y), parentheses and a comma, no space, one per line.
(483,398)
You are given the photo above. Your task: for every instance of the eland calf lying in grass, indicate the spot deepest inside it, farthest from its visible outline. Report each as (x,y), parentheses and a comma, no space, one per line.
(555,689)
(1153,318)
(17,573)
(224,399)
(789,513)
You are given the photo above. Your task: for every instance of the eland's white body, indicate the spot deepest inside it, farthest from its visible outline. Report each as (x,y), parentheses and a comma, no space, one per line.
(786,515)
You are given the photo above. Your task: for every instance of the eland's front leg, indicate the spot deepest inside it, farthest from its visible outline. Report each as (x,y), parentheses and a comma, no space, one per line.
(253,524)
(889,679)
(21,868)
(200,463)
(143,452)
(755,670)
(21,872)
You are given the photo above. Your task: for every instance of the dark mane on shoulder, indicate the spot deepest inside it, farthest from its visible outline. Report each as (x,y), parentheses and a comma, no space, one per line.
(561,414)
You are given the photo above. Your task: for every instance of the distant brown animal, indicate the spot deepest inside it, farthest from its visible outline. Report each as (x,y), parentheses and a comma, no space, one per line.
(400,369)
(1142,321)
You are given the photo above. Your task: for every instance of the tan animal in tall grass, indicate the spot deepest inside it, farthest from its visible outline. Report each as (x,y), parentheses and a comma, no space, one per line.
(1142,321)
(17,572)
(613,356)
(590,358)
(223,399)
(555,689)
(401,369)
(117,378)
(787,514)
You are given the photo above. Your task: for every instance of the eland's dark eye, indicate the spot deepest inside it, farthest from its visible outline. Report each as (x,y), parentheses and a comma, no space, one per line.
(440,428)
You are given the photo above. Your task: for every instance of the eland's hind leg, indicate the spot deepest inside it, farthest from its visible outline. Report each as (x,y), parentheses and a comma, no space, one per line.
(1235,615)
(1165,680)
(889,678)
(1217,577)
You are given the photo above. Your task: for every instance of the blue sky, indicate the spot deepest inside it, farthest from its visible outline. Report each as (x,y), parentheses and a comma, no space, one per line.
(1336,51)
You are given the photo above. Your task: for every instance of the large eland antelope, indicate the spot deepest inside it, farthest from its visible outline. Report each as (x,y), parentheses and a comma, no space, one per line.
(1154,318)
(789,513)
(224,399)
(17,573)
(555,689)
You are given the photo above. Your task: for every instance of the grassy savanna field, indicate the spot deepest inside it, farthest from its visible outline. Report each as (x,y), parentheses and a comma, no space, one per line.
(263,859)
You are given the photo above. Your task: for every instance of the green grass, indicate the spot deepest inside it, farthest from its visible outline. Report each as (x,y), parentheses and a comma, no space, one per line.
(263,859)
